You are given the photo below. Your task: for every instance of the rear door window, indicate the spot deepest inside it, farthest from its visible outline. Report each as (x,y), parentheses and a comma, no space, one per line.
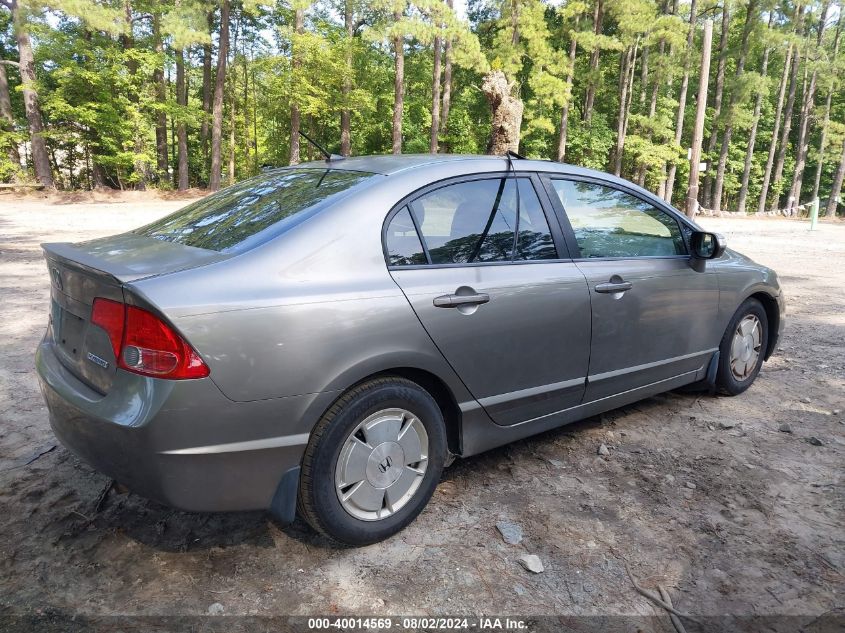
(229,218)
(472,222)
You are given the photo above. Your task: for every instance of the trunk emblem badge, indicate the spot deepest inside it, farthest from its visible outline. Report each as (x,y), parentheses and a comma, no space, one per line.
(98,361)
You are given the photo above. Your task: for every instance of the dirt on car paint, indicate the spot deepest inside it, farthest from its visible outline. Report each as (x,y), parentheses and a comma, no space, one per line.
(734,505)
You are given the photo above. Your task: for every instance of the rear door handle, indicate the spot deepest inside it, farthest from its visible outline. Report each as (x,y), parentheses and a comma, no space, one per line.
(455,301)
(613,286)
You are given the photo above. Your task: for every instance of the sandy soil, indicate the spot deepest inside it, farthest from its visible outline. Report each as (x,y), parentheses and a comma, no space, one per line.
(703,495)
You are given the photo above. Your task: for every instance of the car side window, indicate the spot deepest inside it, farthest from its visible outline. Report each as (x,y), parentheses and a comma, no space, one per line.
(402,241)
(608,222)
(471,222)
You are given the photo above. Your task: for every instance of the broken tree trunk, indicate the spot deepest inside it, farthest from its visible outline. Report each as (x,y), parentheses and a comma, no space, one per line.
(507,113)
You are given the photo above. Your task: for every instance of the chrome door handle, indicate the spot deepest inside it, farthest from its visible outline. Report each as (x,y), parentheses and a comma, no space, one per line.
(455,301)
(614,286)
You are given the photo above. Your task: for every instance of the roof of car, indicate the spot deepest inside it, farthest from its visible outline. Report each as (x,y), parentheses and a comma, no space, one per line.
(393,163)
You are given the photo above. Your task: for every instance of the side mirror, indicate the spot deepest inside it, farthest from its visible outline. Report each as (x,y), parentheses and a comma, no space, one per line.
(707,245)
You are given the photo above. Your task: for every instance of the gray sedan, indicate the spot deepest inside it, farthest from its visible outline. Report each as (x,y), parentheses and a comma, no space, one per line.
(326,338)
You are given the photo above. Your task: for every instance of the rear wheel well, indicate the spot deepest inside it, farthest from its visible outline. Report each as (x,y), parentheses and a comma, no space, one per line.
(441,394)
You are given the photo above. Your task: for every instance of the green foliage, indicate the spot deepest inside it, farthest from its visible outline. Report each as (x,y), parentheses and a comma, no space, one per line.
(101,103)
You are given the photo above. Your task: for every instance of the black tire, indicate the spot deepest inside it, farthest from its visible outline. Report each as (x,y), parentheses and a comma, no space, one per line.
(318,501)
(726,382)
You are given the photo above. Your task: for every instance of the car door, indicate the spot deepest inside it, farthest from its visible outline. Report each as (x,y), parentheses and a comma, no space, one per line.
(652,313)
(510,314)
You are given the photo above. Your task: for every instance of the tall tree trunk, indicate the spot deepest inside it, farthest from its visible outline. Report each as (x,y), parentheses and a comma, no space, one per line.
(807,104)
(787,116)
(717,101)
(232,123)
(435,97)
(40,157)
(217,104)
(589,99)
(181,129)
(140,165)
(836,189)
(698,130)
(507,113)
(750,18)
(570,75)
(233,104)
(682,101)
(7,117)
(447,83)
(295,115)
(626,74)
(206,91)
(643,76)
(247,144)
(398,86)
(752,136)
(161,100)
(773,144)
(826,121)
(346,86)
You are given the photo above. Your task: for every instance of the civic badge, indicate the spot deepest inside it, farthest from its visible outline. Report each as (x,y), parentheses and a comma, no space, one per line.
(98,361)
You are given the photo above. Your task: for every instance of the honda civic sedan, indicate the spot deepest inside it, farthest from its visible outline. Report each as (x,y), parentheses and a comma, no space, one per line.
(326,338)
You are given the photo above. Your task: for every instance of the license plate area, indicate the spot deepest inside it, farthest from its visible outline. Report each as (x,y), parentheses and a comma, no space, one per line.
(71,334)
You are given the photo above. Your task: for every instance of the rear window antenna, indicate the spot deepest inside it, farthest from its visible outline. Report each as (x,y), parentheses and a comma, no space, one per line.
(329,156)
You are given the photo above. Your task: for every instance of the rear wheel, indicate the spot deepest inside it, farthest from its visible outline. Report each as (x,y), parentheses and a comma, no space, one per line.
(373,461)
(742,348)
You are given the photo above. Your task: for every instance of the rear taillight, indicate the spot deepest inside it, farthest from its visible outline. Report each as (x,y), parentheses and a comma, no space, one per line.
(145,344)
(110,316)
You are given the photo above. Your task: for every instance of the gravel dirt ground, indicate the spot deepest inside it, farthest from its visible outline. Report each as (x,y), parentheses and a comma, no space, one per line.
(707,496)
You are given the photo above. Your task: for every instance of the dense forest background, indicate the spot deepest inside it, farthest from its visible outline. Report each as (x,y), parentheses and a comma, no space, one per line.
(191,93)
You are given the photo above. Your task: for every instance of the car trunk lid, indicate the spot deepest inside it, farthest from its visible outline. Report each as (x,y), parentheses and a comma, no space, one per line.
(79,273)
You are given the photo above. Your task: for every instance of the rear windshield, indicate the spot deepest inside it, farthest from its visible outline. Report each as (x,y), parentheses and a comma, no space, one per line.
(227,219)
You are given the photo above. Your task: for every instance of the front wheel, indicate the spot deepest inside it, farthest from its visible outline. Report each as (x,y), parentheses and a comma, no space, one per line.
(373,461)
(742,348)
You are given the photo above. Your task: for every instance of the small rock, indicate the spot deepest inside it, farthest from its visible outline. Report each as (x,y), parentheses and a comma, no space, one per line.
(710,427)
(814,441)
(836,411)
(721,441)
(532,563)
(785,428)
(520,590)
(805,400)
(690,485)
(511,532)
(215,609)
(603,450)
(556,463)
(727,424)
(669,478)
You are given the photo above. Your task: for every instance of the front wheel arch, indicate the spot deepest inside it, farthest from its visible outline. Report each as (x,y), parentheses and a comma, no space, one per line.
(770,305)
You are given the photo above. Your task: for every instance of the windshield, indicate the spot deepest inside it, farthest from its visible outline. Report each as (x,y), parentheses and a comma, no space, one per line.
(226,219)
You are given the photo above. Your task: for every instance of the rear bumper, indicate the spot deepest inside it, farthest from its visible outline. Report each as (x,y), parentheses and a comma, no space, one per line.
(183,443)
